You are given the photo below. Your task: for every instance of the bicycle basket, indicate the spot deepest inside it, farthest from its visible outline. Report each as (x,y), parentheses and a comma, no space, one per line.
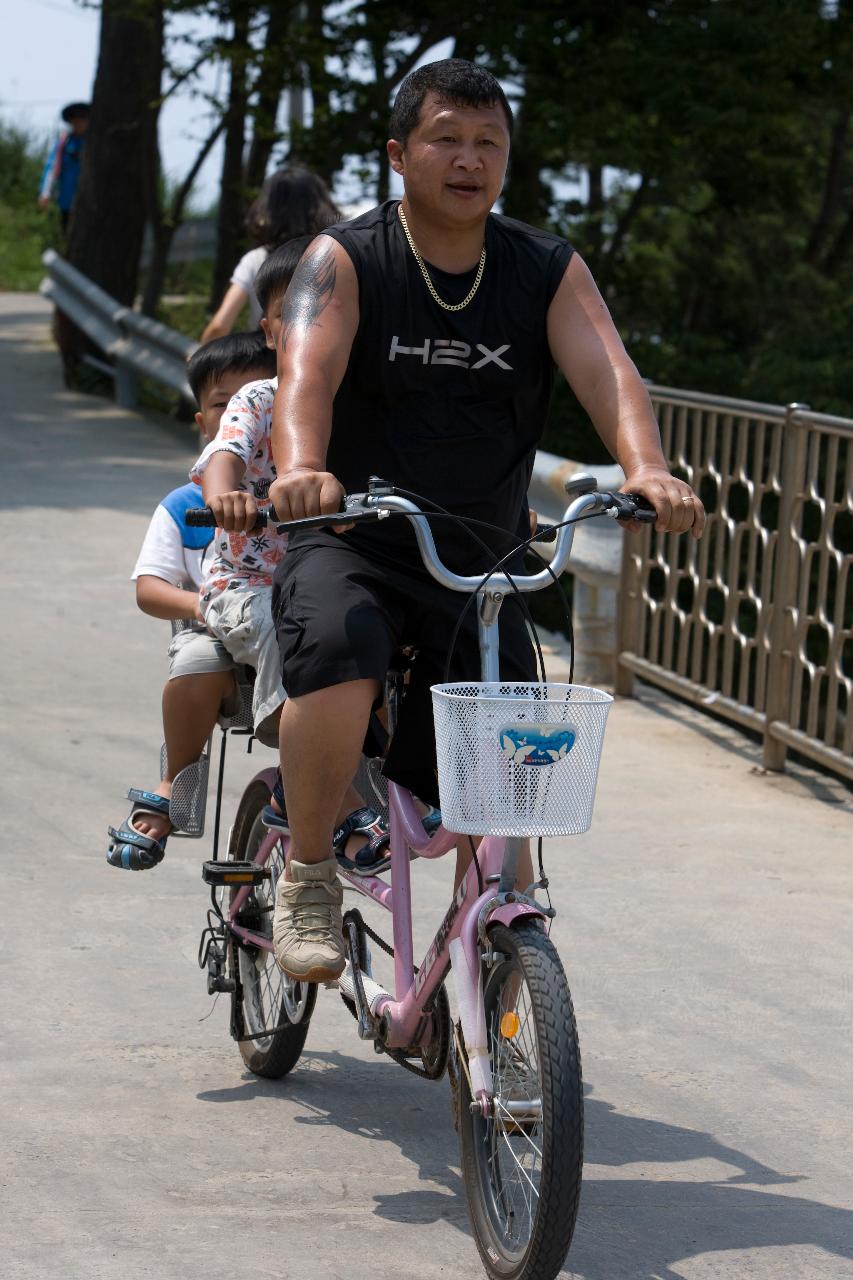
(518,759)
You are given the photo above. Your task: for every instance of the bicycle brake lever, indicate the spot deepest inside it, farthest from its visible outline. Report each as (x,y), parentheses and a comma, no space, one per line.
(634,506)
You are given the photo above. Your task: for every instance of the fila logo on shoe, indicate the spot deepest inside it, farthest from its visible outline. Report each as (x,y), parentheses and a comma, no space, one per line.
(448,351)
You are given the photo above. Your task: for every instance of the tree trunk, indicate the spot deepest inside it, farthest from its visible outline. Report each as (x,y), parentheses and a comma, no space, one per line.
(315,148)
(383,164)
(274,75)
(833,188)
(229,222)
(165,222)
(526,196)
(105,239)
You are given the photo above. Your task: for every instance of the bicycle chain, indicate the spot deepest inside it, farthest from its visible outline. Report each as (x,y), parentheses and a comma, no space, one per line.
(441,1018)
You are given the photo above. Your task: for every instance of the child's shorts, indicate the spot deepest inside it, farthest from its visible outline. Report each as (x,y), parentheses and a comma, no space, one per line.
(197,653)
(242,620)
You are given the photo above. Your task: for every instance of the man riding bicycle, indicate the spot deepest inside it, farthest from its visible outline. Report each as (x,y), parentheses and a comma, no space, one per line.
(419,344)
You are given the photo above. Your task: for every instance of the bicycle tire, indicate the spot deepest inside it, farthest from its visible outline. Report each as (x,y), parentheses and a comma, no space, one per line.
(551,1038)
(264,997)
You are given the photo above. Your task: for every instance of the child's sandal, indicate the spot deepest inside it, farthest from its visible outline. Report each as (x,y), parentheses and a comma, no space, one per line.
(129,848)
(373,856)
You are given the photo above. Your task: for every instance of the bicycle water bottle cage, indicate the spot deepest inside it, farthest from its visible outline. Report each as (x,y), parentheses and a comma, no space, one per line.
(577,485)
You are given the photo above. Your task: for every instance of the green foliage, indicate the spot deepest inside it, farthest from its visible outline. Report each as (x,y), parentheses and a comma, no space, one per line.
(698,153)
(717,152)
(25,231)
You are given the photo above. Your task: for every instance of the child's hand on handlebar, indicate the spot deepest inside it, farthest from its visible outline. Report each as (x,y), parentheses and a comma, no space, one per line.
(236,512)
(303,492)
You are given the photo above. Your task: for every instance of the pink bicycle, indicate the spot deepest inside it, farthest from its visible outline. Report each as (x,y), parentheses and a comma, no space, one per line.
(514,762)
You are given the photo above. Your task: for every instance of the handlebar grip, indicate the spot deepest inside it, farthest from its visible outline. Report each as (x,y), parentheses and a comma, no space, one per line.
(203,518)
(200,518)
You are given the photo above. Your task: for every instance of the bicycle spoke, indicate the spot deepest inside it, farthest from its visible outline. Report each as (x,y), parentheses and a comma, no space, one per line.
(513,1166)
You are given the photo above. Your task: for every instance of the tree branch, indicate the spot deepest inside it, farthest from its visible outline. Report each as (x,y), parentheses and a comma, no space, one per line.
(430,37)
(623,226)
(180,197)
(182,76)
(840,247)
(832,187)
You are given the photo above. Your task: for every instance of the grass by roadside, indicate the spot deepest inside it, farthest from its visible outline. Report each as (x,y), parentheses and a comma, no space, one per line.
(25,230)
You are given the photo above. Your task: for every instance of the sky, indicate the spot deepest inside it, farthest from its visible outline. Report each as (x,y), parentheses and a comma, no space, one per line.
(47,58)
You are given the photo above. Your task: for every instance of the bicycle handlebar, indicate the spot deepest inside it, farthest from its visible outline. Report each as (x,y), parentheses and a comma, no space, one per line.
(376,505)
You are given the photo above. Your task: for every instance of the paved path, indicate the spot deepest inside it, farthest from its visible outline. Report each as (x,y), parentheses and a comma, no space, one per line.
(704,922)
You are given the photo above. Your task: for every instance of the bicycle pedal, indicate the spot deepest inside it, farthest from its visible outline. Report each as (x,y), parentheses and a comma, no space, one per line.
(227,873)
(218,982)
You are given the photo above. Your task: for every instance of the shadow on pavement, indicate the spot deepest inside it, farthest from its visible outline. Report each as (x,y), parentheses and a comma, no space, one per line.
(628,1228)
(339,1091)
(739,742)
(69,450)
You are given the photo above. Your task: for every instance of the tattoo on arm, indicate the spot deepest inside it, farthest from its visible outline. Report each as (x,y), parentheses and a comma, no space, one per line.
(310,292)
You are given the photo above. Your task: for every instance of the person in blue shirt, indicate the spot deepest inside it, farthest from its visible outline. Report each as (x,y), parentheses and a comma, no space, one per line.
(62,170)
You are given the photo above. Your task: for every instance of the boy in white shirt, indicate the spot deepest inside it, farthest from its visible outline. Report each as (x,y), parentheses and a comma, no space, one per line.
(168,575)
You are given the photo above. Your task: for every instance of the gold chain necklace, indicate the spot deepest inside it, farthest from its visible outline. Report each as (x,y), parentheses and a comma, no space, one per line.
(458,306)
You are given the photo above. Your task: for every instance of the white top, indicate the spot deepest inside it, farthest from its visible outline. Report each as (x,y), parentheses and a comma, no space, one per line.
(244,275)
(244,559)
(163,554)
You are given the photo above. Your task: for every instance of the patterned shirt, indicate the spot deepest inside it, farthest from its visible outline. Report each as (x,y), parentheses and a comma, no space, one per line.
(241,560)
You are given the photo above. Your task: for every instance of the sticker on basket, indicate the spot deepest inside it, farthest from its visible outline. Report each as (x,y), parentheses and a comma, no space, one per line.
(537,744)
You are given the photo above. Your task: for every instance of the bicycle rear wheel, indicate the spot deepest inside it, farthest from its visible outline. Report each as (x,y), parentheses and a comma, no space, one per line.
(270,1007)
(522,1165)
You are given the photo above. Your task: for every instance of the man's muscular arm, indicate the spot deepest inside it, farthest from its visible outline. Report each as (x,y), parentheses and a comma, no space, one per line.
(587,348)
(319,323)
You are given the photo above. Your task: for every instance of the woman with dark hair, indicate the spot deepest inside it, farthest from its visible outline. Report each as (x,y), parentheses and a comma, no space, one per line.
(292,202)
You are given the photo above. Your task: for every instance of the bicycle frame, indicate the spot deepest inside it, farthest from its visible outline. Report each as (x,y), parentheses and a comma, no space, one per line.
(402,1021)
(459,936)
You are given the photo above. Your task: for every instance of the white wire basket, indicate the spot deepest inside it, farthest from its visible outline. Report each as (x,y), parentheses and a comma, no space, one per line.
(518,759)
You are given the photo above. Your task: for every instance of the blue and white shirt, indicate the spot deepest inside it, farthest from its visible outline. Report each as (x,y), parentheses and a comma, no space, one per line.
(172,550)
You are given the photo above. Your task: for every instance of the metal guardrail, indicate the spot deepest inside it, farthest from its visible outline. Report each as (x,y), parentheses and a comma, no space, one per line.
(755,620)
(132,344)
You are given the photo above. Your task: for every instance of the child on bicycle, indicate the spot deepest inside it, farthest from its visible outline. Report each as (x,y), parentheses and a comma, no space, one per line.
(168,575)
(235,472)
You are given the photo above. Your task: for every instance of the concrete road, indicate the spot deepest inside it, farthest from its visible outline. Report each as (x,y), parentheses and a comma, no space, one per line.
(704,923)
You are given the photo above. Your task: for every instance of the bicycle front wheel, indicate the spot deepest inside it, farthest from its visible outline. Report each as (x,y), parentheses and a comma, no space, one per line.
(522,1164)
(272,1011)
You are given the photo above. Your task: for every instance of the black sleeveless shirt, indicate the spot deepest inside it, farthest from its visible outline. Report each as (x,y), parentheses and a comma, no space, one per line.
(450,405)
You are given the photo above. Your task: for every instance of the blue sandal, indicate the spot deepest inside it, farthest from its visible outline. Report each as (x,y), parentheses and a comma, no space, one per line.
(129,848)
(431,821)
(373,856)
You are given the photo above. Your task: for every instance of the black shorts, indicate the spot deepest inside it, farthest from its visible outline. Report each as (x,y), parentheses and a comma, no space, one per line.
(341,616)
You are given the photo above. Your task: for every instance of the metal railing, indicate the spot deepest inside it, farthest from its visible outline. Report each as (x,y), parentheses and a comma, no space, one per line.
(131,344)
(754,621)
